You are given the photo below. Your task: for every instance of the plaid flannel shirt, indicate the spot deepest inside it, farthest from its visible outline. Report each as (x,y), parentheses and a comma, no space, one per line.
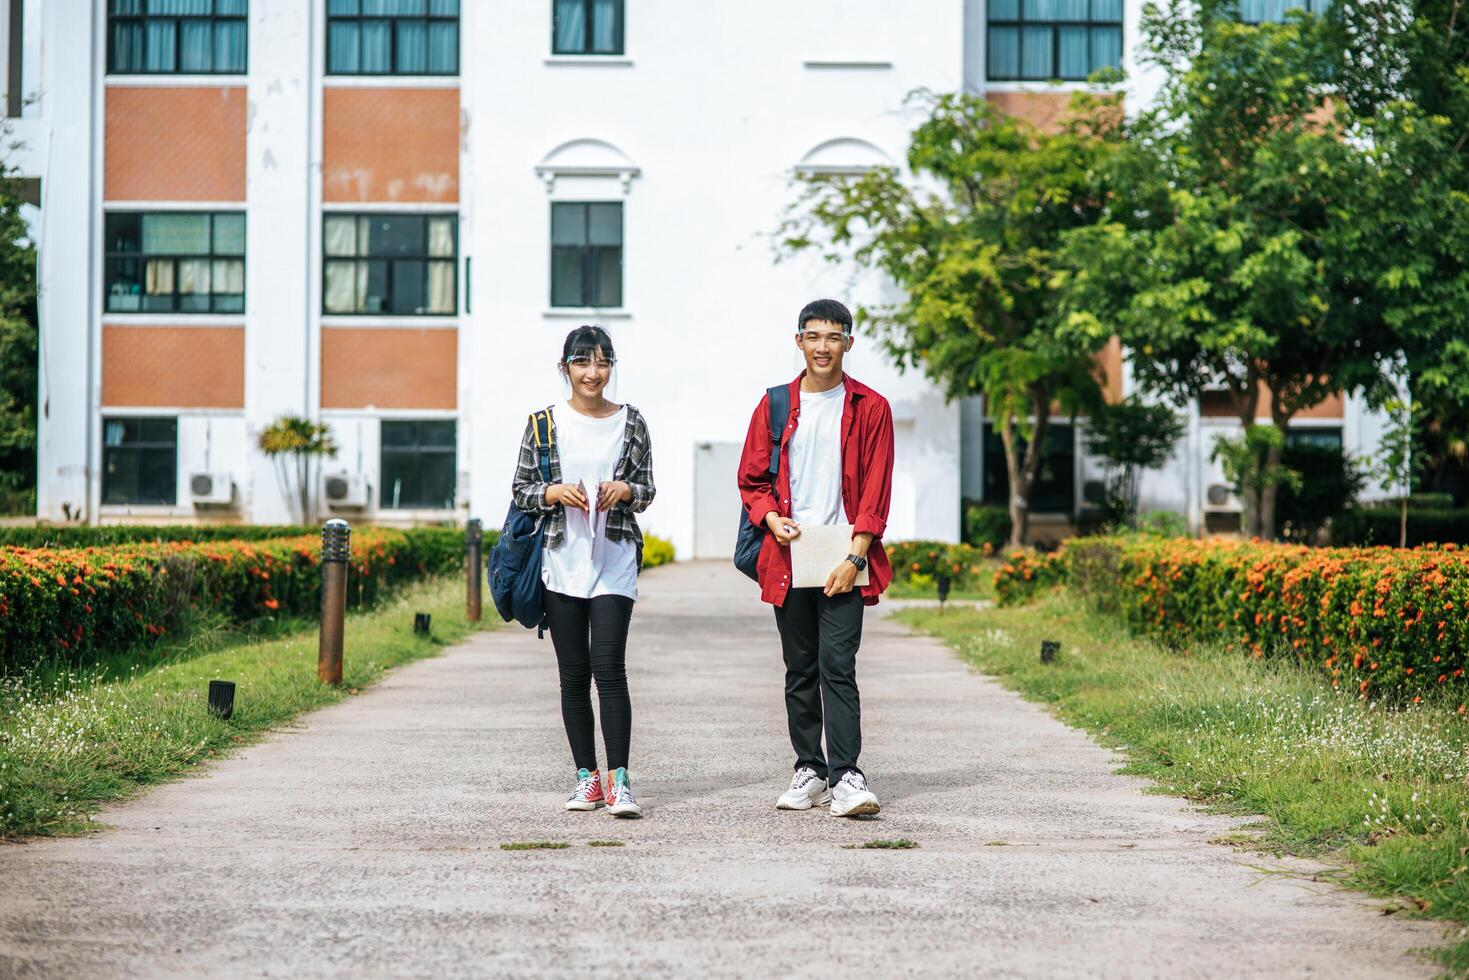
(634,467)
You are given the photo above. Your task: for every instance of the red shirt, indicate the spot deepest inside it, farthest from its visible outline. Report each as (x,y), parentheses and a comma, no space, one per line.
(867,483)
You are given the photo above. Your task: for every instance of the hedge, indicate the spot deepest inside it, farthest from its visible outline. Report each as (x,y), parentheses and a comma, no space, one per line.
(1389,623)
(656,551)
(1024,573)
(920,562)
(986,524)
(78,604)
(1380,525)
(96,536)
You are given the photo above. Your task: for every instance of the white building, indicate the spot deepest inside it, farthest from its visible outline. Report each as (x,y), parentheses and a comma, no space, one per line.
(386,215)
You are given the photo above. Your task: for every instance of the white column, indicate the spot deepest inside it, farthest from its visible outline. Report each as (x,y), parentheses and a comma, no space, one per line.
(69,273)
(282,177)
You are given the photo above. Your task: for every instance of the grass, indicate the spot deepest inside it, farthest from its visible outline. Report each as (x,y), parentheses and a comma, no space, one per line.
(1383,795)
(535,845)
(604,843)
(896,844)
(71,741)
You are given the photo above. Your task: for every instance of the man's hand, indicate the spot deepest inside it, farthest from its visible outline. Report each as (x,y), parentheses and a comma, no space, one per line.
(841,578)
(611,493)
(568,496)
(784,529)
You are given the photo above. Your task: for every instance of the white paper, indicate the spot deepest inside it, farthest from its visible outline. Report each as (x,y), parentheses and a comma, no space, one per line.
(817,551)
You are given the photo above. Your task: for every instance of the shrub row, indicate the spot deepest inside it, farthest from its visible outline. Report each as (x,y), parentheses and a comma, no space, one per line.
(1389,623)
(93,536)
(656,551)
(986,524)
(919,563)
(1024,573)
(79,604)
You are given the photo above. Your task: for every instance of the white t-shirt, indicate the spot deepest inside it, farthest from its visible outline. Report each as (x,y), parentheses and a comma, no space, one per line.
(816,458)
(587,564)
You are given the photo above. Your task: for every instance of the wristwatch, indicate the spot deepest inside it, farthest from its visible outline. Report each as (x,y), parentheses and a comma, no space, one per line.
(858,560)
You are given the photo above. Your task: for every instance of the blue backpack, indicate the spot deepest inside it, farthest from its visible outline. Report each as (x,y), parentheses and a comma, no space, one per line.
(515,561)
(752,536)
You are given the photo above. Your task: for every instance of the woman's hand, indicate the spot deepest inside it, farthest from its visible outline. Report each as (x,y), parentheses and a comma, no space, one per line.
(611,493)
(568,496)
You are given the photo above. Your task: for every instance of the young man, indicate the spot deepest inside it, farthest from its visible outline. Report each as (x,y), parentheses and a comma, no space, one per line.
(836,467)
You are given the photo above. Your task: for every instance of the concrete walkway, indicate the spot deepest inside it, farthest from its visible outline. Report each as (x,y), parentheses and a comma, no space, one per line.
(366,842)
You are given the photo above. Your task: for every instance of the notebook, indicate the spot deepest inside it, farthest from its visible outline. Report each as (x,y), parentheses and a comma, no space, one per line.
(818,550)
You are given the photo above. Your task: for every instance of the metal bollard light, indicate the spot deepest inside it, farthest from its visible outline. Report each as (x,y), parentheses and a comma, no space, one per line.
(336,549)
(474,543)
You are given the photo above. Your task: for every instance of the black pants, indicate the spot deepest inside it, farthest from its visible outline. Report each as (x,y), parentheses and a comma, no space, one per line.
(590,637)
(820,637)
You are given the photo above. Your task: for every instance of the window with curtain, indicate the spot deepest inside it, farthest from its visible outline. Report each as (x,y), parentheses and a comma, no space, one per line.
(174,262)
(418,464)
(390,264)
(1054,488)
(392,37)
(586,255)
(1052,39)
(1258,11)
(587,27)
(140,460)
(160,37)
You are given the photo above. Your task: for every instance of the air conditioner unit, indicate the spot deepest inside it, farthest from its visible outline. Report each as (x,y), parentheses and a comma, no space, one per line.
(346,490)
(1219,499)
(211,488)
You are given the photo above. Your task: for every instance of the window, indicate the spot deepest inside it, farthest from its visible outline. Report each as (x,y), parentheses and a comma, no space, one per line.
(140,461)
(1054,488)
(418,465)
(392,37)
(391,264)
(1046,39)
(587,27)
(1256,11)
(157,37)
(175,262)
(1318,437)
(586,255)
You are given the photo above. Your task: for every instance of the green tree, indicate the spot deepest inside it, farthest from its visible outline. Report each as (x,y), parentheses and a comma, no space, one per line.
(1234,247)
(294,445)
(1132,435)
(18,360)
(1404,72)
(974,249)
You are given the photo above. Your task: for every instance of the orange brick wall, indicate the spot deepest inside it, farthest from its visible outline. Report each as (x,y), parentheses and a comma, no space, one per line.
(390,144)
(1044,109)
(174,144)
(409,368)
(173,367)
(1217,404)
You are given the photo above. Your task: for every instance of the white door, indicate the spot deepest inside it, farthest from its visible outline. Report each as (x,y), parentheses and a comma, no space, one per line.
(716,499)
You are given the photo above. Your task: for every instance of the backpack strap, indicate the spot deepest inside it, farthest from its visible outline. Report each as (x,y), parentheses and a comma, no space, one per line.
(780,412)
(545,439)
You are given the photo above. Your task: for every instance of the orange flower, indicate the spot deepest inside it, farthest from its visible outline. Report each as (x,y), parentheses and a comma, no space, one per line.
(272,604)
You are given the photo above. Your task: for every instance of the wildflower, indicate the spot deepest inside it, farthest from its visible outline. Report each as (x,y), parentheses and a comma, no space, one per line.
(272,603)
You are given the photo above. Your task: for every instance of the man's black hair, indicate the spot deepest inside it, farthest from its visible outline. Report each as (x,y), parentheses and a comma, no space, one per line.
(587,340)
(826,309)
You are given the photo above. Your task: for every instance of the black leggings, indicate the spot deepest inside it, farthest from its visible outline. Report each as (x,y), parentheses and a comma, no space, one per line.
(590,637)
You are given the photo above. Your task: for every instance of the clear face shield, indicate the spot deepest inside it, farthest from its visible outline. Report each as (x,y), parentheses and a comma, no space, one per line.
(590,373)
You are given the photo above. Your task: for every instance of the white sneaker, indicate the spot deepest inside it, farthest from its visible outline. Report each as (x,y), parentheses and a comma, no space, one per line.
(852,798)
(588,792)
(620,801)
(807,789)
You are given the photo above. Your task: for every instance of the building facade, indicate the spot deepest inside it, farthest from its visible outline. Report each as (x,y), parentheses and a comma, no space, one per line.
(385,215)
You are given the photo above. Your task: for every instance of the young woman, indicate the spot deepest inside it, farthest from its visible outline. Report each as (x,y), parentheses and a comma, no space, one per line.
(601,476)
